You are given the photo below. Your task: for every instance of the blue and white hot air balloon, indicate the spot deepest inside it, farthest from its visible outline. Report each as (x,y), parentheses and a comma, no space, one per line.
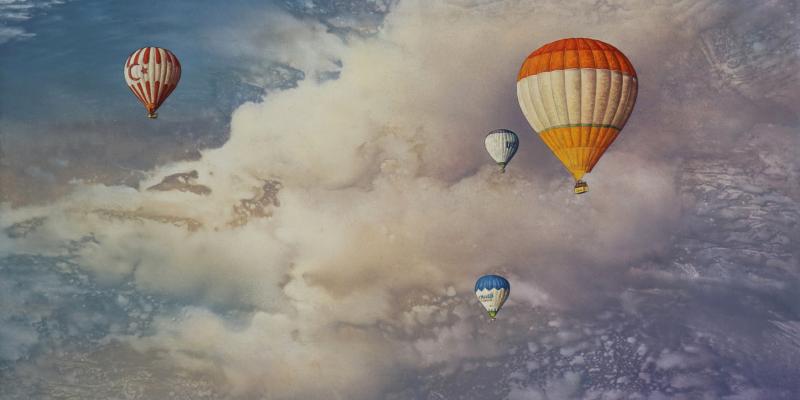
(492,292)
(502,144)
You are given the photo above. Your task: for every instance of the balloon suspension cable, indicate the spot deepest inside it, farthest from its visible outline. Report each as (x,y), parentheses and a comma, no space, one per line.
(502,167)
(152,115)
(581,187)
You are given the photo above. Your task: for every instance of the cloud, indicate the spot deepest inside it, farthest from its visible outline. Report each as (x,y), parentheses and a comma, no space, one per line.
(10,33)
(274,38)
(387,201)
(564,387)
(17,11)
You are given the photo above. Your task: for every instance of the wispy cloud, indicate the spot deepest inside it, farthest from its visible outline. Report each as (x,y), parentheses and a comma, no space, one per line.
(13,12)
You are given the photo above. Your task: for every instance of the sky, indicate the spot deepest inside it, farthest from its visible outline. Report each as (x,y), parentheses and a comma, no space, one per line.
(308,215)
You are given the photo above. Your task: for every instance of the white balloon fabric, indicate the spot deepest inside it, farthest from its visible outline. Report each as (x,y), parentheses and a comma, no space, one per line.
(502,144)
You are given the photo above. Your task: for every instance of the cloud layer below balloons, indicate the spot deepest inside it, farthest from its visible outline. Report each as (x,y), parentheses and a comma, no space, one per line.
(334,249)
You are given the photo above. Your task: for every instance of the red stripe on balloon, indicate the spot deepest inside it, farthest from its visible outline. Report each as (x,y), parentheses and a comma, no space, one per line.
(141,90)
(135,93)
(158,86)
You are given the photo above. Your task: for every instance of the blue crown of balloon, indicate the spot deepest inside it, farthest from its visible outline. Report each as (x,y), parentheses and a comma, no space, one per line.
(492,282)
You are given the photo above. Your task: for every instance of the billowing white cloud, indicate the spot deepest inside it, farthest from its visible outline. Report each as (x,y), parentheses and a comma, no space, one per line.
(274,37)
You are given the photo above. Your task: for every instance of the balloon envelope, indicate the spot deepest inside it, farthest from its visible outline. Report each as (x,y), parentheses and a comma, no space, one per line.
(502,144)
(152,73)
(492,291)
(577,94)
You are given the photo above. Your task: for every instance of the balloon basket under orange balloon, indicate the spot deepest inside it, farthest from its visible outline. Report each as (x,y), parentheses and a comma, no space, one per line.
(581,187)
(152,115)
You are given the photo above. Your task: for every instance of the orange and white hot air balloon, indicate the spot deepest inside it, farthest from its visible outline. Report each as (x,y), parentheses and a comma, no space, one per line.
(577,94)
(152,73)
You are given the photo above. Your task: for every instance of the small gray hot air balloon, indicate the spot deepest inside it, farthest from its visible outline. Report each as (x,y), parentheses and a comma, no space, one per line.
(502,144)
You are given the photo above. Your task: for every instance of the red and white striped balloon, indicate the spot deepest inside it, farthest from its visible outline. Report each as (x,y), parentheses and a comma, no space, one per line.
(152,73)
